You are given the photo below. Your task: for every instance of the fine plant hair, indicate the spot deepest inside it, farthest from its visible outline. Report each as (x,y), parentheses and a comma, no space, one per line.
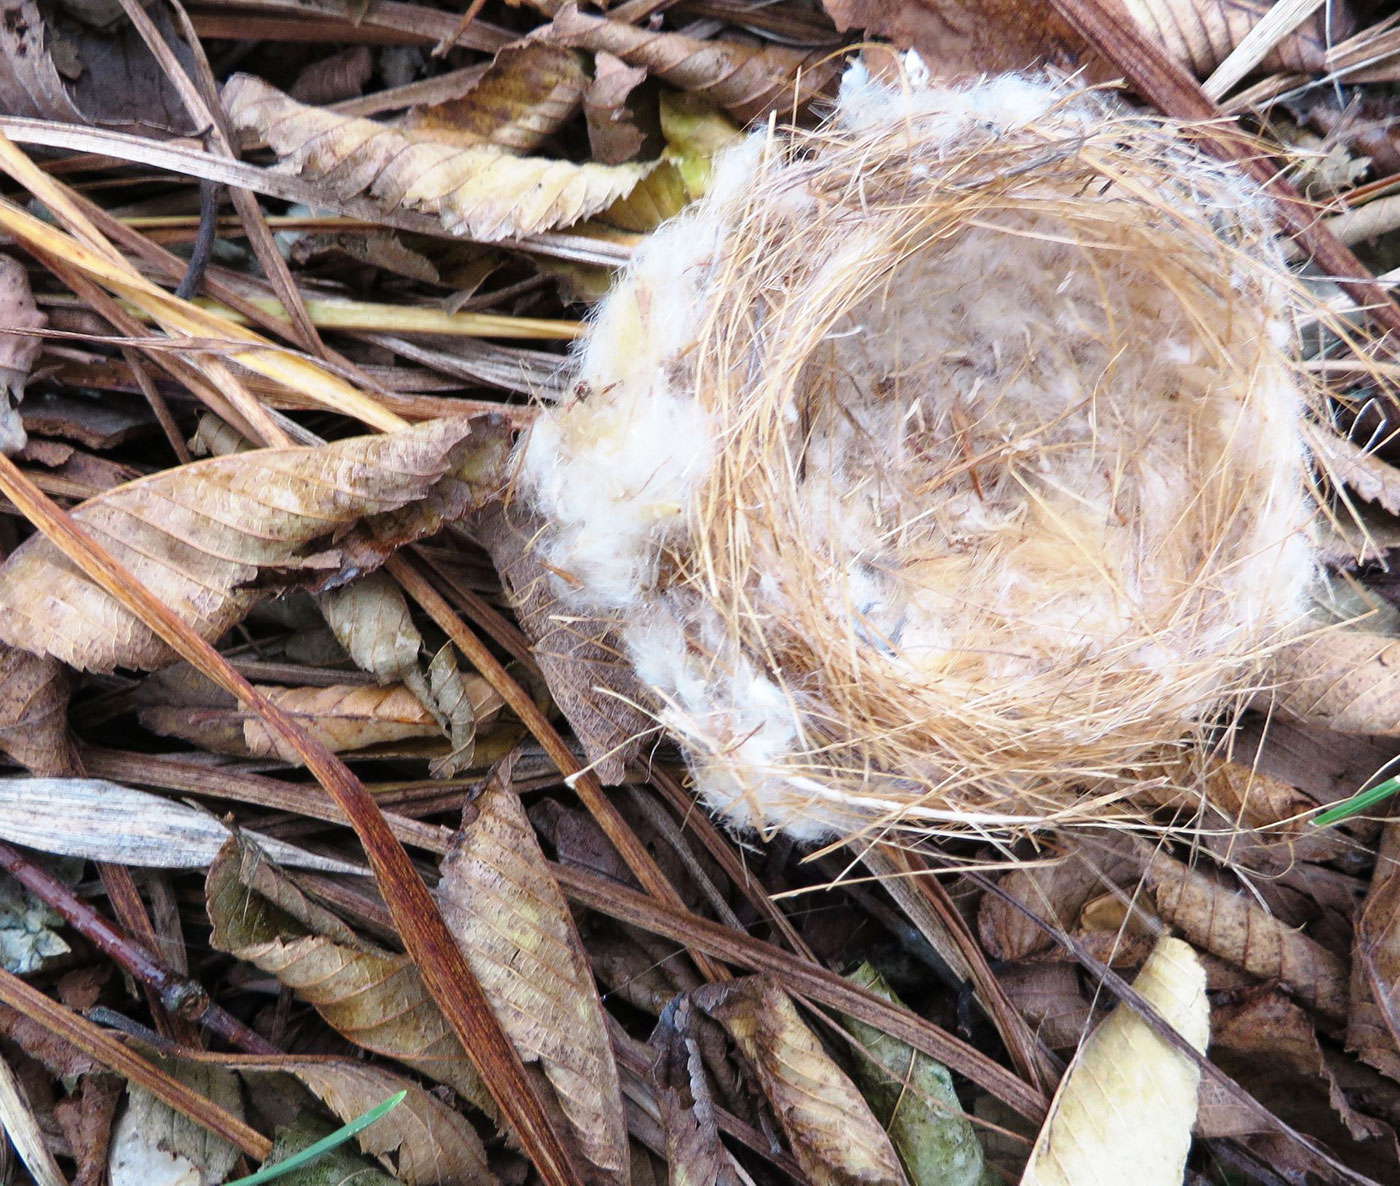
(943,468)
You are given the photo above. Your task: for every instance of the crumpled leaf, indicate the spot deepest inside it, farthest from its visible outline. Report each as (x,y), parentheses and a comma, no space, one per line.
(620,128)
(912,1096)
(1124,1110)
(530,90)
(422,1141)
(1344,680)
(1373,1021)
(153,1144)
(1230,924)
(834,1136)
(342,717)
(1367,476)
(98,820)
(18,348)
(749,82)
(481,192)
(214,538)
(33,712)
(694,1152)
(512,923)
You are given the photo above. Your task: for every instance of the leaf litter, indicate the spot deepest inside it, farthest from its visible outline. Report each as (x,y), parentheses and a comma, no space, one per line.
(531,150)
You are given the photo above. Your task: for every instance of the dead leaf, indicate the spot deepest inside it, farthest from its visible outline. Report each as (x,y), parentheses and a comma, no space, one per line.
(694,1152)
(34,713)
(1124,1110)
(1373,1021)
(19,347)
(593,685)
(374,997)
(422,1141)
(1229,924)
(23,1131)
(1367,476)
(530,90)
(153,1143)
(30,85)
(481,192)
(514,927)
(203,535)
(98,820)
(833,1135)
(620,127)
(958,38)
(1047,993)
(341,76)
(750,82)
(1344,680)
(86,1119)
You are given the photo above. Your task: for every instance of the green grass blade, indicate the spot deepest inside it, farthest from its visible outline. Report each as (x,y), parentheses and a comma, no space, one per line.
(324,1145)
(1357,803)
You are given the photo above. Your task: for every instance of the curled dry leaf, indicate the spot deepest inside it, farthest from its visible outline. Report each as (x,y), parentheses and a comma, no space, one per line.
(33,713)
(618,122)
(912,1096)
(422,1141)
(374,997)
(214,538)
(749,82)
(694,1151)
(1344,680)
(1124,1110)
(481,192)
(1229,924)
(1373,1021)
(341,76)
(30,84)
(19,347)
(104,821)
(341,717)
(513,925)
(530,90)
(834,1136)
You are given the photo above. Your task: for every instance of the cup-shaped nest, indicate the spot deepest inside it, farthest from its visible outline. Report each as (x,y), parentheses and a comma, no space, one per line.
(943,466)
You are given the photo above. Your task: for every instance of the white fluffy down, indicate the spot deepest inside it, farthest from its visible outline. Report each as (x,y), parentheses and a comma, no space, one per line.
(1030,528)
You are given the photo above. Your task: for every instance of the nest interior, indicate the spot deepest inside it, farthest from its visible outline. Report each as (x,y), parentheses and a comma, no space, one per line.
(943,465)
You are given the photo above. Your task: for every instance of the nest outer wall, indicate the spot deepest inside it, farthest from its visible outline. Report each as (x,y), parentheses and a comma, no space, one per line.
(943,466)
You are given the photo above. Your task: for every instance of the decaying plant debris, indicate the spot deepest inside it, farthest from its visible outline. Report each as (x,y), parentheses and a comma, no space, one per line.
(1011,460)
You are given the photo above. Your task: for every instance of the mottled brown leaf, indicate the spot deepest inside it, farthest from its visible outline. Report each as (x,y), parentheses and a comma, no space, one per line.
(329,80)
(216,537)
(30,85)
(514,927)
(374,997)
(1232,925)
(1373,1022)
(530,90)
(618,125)
(482,192)
(748,81)
(1048,995)
(1344,680)
(587,676)
(422,1141)
(694,1154)
(34,713)
(834,1136)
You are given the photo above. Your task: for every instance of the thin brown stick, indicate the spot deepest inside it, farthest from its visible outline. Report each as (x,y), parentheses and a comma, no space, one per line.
(426,937)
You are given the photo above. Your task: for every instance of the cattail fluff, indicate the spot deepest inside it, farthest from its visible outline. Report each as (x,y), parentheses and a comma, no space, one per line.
(943,465)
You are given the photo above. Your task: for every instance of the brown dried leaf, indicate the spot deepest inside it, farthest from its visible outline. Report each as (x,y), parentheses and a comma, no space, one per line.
(618,125)
(530,90)
(1124,1110)
(514,927)
(747,81)
(341,76)
(1231,925)
(1373,1022)
(1344,680)
(34,713)
(1048,994)
(481,192)
(374,997)
(1201,33)
(587,676)
(30,84)
(694,1153)
(18,347)
(1366,475)
(422,1141)
(1056,891)
(216,537)
(151,1133)
(973,37)
(834,1136)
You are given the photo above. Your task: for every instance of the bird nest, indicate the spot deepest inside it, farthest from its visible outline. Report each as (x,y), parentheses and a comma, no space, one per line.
(942,468)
